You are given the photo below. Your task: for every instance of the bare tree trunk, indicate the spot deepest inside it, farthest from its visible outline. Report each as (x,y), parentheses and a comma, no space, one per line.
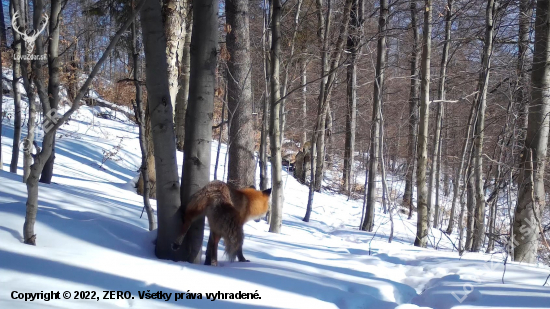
(241,170)
(54,66)
(374,152)
(16,64)
(354,40)
(221,134)
(198,119)
(277,197)
(460,171)
(422,156)
(303,139)
(471,201)
(531,197)
(183,78)
(522,92)
(159,101)
(174,26)
(413,113)
(140,117)
(265,112)
(30,89)
(435,177)
(480,125)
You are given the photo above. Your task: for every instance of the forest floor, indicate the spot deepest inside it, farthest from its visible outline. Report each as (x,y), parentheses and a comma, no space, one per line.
(90,237)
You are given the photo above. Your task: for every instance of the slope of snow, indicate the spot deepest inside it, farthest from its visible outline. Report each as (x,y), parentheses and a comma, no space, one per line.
(91,238)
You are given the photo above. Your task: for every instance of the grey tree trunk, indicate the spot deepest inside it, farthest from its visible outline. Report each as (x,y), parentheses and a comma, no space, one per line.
(374,152)
(435,175)
(16,65)
(52,97)
(470,205)
(422,156)
(522,92)
(30,89)
(277,197)
(303,139)
(265,109)
(174,26)
(47,144)
(413,112)
(198,119)
(140,117)
(460,171)
(531,197)
(183,78)
(160,107)
(221,135)
(479,131)
(242,166)
(354,40)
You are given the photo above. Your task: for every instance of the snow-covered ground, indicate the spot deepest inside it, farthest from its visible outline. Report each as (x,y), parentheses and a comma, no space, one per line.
(90,238)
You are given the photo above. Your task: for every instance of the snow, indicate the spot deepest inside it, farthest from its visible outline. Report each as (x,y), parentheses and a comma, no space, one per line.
(90,237)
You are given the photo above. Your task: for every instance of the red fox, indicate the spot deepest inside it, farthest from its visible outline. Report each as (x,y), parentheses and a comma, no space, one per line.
(227,209)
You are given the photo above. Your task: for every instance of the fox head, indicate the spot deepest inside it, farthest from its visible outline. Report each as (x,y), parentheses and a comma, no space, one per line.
(258,202)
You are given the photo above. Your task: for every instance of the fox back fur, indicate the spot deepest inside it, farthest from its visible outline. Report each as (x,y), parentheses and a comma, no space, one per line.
(227,209)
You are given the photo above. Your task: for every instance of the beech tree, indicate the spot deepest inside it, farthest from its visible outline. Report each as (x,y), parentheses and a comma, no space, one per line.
(241,170)
(531,199)
(198,120)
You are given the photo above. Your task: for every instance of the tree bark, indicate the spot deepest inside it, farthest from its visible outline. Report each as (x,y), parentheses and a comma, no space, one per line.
(374,152)
(422,157)
(522,91)
(413,112)
(277,197)
(183,78)
(242,166)
(265,109)
(174,26)
(531,197)
(470,205)
(460,171)
(16,65)
(353,42)
(479,228)
(435,177)
(161,112)
(140,117)
(303,139)
(198,119)
(30,89)
(54,71)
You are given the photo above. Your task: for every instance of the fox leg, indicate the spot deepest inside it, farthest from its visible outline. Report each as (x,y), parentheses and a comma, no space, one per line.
(212,249)
(208,257)
(240,256)
(186,225)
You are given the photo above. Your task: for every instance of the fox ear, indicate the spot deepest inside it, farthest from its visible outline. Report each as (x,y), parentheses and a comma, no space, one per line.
(267,192)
